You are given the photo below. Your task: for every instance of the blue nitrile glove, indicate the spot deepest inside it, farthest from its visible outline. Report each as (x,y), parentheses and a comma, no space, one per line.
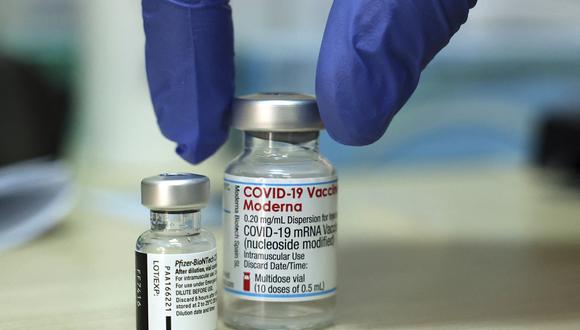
(189,54)
(371,58)
(372,55)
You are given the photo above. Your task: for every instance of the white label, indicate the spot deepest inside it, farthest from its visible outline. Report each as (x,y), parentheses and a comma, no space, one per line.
(181,291)
(279,238)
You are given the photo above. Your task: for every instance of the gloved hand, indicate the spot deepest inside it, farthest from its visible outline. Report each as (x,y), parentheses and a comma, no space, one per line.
(372,55)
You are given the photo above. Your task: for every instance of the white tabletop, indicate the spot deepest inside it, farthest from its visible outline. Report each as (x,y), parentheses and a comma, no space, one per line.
(477,249)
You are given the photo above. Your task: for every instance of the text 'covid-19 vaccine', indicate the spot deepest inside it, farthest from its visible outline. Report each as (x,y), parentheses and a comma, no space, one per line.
(280,218)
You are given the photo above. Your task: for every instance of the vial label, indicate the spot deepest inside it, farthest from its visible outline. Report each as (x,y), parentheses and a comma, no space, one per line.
(280,237)
(176,291)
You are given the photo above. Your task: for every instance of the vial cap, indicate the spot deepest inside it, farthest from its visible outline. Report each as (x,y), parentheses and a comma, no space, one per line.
(276,112)
(175,192)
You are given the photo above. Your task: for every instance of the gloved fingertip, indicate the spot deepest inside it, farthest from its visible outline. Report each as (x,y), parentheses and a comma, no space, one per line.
(196,152)
(362,138)
(190,70)
(350,122)
(371,60)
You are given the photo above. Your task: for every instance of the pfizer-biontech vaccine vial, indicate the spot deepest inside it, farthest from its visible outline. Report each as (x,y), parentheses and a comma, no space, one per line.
(176,261)
(280,218)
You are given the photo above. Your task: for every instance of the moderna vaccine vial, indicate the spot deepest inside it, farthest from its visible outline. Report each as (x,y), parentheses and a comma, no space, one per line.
(280,218)
(176,261)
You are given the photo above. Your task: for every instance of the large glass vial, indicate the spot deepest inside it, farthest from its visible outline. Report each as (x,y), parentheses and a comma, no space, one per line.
(175,248)
(279,218)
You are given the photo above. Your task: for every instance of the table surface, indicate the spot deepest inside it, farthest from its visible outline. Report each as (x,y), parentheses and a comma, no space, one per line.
(443,249)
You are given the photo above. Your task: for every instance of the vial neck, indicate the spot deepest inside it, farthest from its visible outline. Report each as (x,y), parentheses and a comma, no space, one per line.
(281,142)
(176,223)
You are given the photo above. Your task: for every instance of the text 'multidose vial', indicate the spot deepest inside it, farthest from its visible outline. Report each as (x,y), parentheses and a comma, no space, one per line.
(176,261)
(280,218)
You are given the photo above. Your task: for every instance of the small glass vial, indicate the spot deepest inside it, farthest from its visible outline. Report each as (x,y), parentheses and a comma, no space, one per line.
(280,218)
(176,261)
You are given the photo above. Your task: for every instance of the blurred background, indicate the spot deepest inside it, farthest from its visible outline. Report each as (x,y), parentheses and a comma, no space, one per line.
(470,158)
